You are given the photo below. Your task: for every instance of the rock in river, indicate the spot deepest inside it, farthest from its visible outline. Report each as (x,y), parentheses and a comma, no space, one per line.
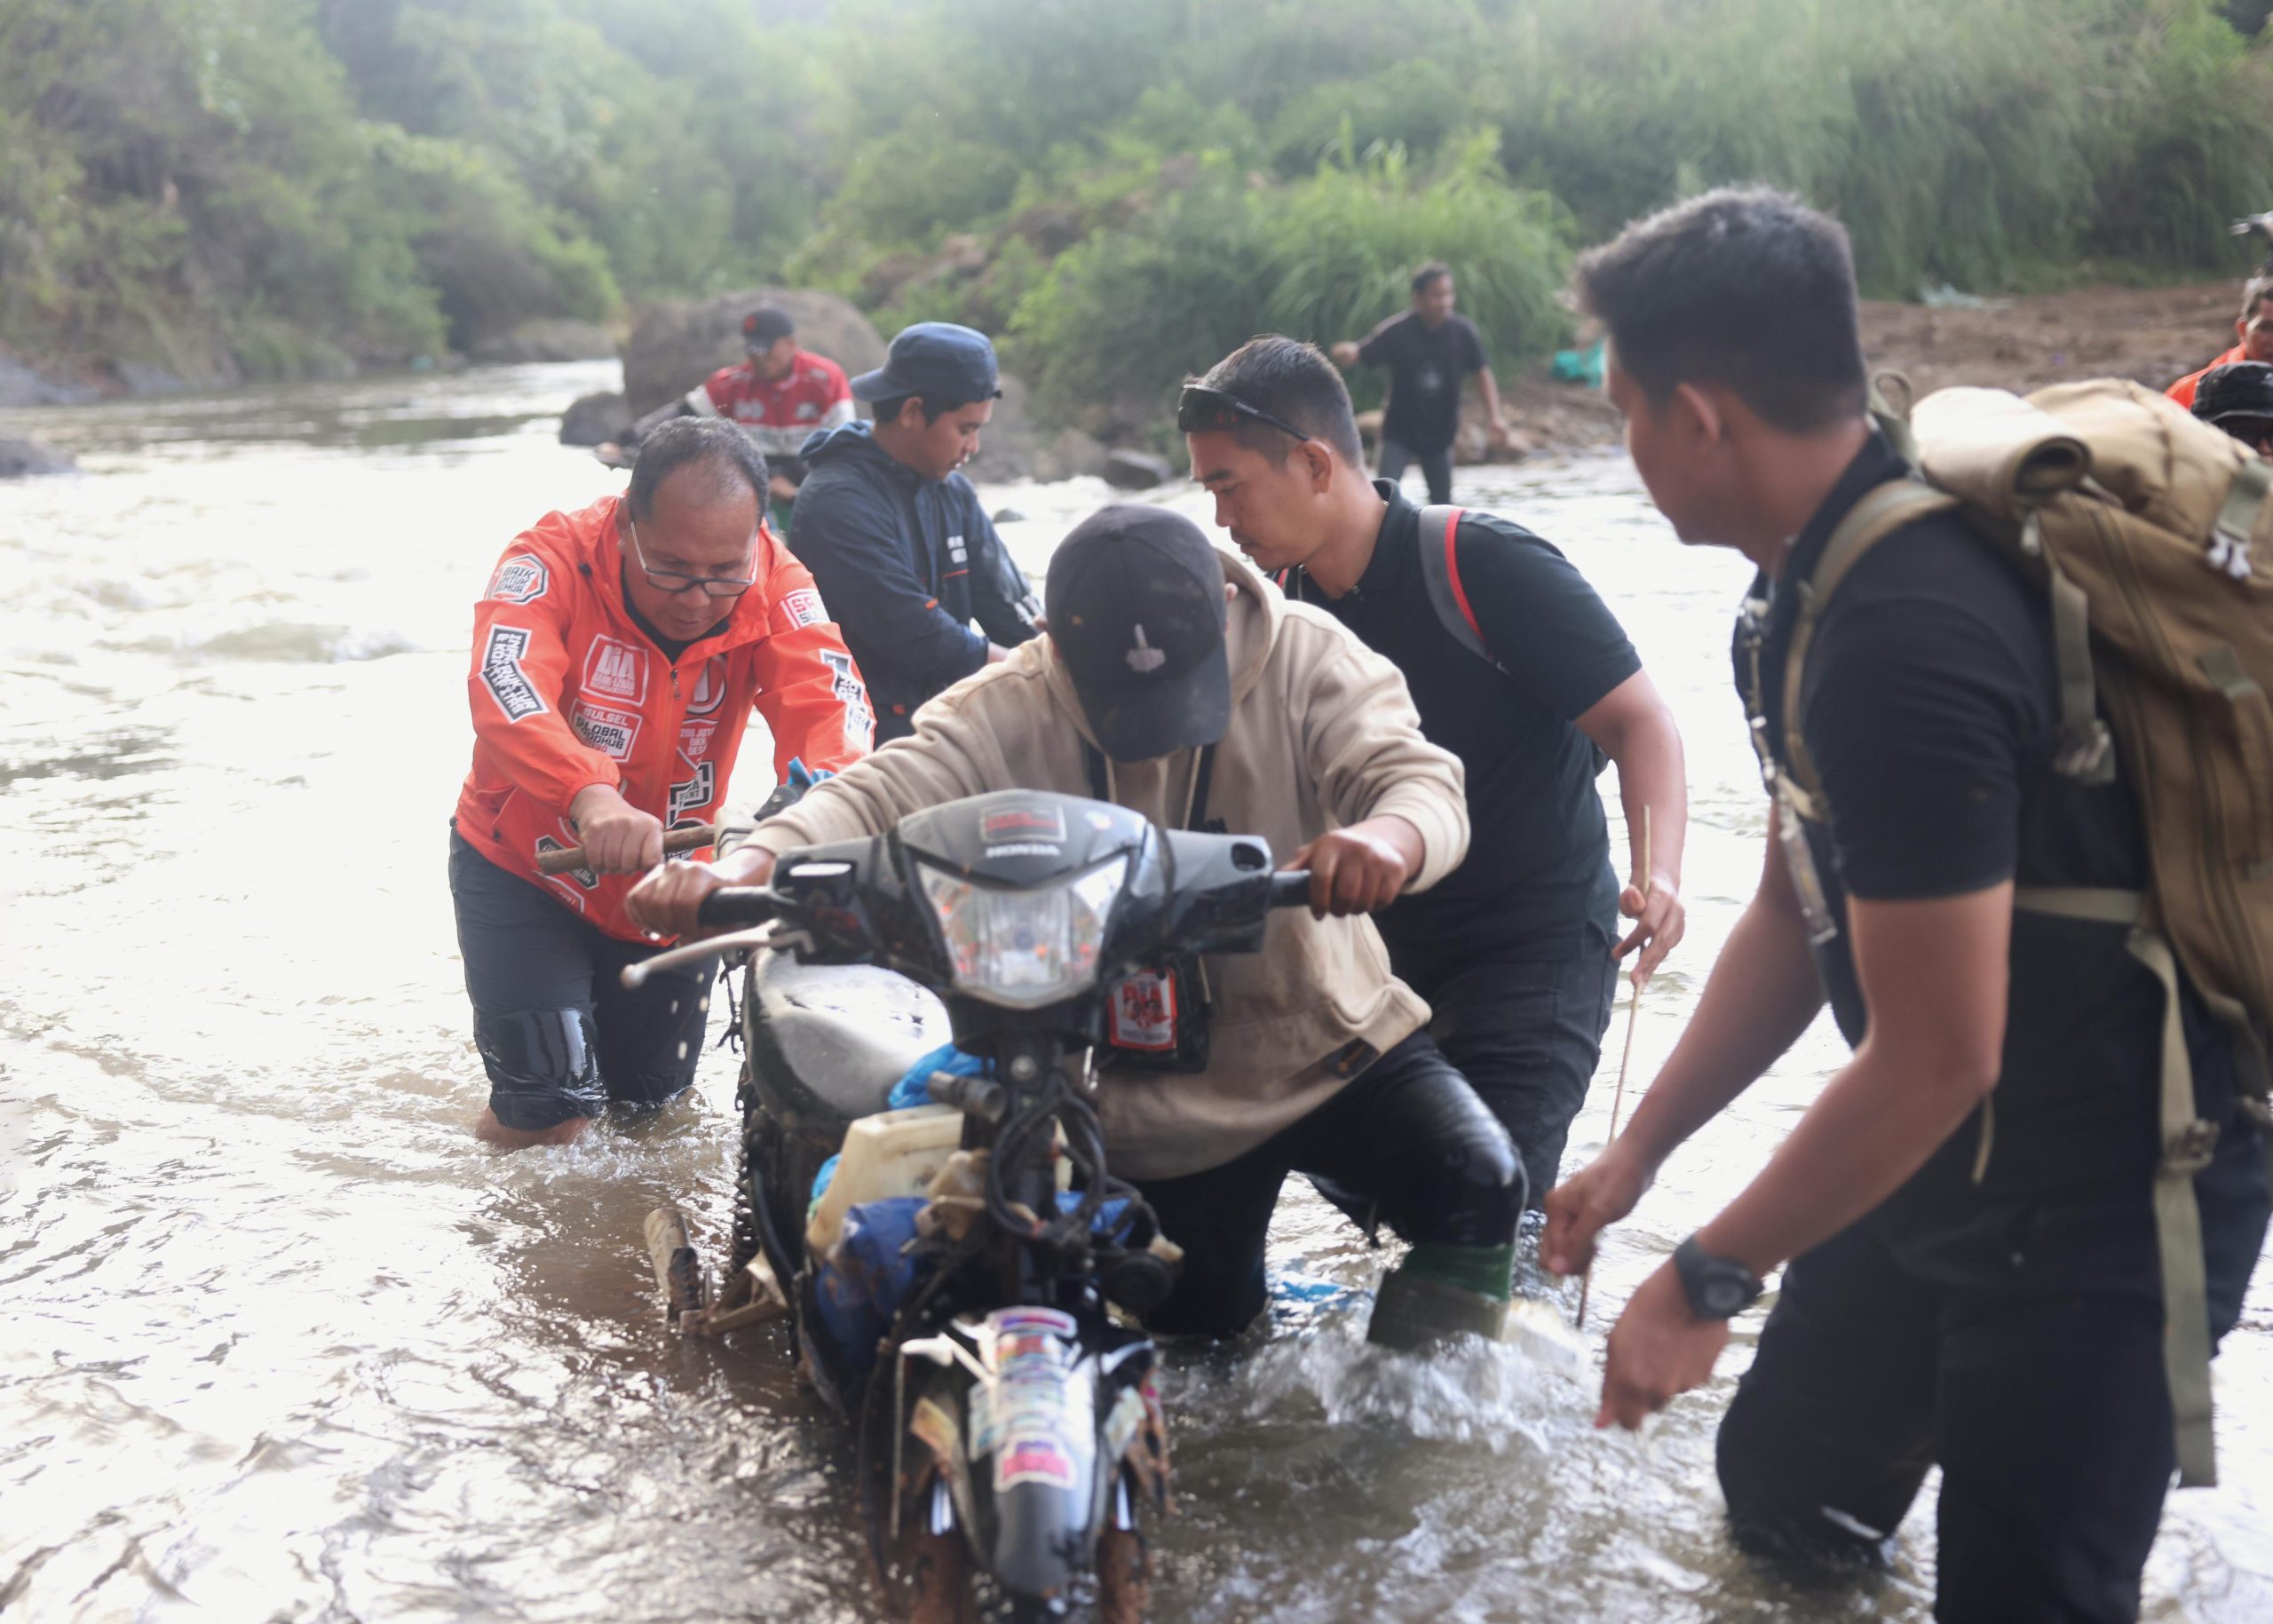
(18,457)
(1137,471)
(591,419)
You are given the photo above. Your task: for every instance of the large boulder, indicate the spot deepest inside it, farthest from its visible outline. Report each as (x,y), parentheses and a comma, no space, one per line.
(592,419)
(675,345)
(1137,471)
(20,457)
(1015,446)
(20,386)
(546,338)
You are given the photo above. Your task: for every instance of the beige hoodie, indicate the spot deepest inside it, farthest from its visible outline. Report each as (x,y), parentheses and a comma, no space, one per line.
(1323,734)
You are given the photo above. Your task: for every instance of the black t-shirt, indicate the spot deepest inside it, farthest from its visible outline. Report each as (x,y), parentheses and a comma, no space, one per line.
(1425,372)
(1931,708)
(1537,883)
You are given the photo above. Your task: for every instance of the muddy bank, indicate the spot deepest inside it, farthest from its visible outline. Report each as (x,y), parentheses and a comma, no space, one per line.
(2152,335)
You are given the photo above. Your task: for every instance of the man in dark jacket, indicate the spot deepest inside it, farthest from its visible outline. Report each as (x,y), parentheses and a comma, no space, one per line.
(903,555)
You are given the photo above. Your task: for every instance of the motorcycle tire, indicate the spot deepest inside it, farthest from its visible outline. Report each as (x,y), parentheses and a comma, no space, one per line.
(1124,1576)
(939,1574)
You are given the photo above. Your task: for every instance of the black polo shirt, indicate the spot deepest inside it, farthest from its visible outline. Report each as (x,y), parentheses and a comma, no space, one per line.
(1537,883)
(1930,708)
(1426,368)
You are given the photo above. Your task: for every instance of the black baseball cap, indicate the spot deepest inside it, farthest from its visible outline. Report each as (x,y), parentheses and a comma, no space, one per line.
(767,326)
(2240,389)
(1135,600)
(936,360)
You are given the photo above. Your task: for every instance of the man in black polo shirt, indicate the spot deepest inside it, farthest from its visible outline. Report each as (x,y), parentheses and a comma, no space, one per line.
(1990,1304)
(1516,950)
(1429,351)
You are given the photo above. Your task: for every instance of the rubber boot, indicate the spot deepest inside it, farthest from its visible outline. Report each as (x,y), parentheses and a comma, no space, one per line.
(1440,1292)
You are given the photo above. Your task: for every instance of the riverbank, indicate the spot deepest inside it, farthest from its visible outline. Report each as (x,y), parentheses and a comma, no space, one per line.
(2150,335)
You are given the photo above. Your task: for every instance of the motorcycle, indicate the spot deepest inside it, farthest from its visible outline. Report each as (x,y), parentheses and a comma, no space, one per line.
(950,1280)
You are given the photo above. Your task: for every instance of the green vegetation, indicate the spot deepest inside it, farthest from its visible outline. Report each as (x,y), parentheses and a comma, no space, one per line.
(1120,189)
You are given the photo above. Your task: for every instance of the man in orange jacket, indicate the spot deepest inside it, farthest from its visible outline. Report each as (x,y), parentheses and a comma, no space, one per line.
(617,656)
(2254,328)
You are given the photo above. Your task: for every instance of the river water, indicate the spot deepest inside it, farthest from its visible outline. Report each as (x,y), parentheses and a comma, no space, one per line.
(282,1342)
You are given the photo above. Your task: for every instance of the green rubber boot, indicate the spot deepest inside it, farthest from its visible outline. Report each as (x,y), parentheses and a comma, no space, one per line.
(1440,1292)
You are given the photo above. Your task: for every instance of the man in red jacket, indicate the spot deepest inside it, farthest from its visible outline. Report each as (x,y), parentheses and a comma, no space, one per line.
(2254,328)
(617,656)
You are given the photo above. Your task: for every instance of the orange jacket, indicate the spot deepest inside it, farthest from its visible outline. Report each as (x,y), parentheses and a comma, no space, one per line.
(567,693)
(2182,392)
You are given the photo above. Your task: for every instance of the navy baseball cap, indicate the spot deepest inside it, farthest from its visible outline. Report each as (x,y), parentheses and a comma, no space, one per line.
(1135,600)
(767,326)
(936,360)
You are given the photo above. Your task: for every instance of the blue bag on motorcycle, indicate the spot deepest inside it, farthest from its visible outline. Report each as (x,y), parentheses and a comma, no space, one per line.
(868,1276)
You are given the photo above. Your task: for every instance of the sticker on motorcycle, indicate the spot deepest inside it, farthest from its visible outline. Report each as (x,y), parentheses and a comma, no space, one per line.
(501,674)
(1144,1012)
(1029,1409)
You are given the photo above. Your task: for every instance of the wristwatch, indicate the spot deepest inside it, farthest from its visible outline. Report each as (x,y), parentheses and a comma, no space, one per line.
(1716,1287)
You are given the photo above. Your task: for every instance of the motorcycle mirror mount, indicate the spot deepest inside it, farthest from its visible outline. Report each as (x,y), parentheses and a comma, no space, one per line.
(979,1097)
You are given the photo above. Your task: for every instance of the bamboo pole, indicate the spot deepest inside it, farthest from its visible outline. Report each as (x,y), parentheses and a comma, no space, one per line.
(1626,1061)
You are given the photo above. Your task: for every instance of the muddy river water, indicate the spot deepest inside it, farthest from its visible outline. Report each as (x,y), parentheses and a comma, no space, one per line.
(278,1341)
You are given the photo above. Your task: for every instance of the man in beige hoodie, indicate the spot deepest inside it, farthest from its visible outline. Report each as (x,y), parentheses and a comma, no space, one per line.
(1175,682)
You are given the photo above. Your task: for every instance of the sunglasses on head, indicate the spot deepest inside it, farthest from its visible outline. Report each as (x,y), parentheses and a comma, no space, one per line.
(1201,410)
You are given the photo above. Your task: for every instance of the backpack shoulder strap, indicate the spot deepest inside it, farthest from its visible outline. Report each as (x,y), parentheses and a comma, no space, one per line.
(1439,533)
(1877,516)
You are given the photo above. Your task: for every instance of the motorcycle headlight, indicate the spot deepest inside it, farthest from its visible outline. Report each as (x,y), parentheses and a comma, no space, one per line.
(1024,948)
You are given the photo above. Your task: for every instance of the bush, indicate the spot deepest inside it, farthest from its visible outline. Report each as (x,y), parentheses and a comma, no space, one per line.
(1131,312)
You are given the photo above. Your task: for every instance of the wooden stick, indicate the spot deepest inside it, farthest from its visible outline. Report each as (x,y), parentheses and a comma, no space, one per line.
(677,840)
(1626,1061)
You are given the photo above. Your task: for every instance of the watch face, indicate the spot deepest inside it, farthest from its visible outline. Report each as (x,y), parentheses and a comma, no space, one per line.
(1724,1297)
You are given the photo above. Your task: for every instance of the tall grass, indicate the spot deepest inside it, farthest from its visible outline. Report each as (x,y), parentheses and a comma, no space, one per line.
(1129,312)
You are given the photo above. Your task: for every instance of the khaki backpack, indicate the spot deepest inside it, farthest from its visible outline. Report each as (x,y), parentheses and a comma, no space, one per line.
(2152,536)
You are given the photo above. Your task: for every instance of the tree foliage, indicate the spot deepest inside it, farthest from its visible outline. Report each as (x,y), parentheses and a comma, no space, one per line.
(1120,188)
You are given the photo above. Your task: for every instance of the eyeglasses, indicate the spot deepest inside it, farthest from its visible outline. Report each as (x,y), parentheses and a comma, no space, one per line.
(676,581)
(1201,410)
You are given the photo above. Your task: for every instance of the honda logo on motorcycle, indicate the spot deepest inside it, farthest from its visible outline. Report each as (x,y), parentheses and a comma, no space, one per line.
(1037,822)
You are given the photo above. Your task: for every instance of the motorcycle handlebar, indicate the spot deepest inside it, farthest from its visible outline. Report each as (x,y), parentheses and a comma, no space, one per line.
(739,908)
(1291,890)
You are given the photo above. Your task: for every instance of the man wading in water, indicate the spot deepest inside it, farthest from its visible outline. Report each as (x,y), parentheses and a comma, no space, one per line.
(1429,351)
(617,657)
(1998,1313)
(1516,949)
(895,533)
(1177,683)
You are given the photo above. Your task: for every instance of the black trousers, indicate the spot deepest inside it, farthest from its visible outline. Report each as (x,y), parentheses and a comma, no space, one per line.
(1527,1036)
(1408,1136)
(1435,467)
(559,1035)
(2046,1410)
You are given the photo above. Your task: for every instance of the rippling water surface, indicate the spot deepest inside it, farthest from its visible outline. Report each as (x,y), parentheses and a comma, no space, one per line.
(282,1342)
